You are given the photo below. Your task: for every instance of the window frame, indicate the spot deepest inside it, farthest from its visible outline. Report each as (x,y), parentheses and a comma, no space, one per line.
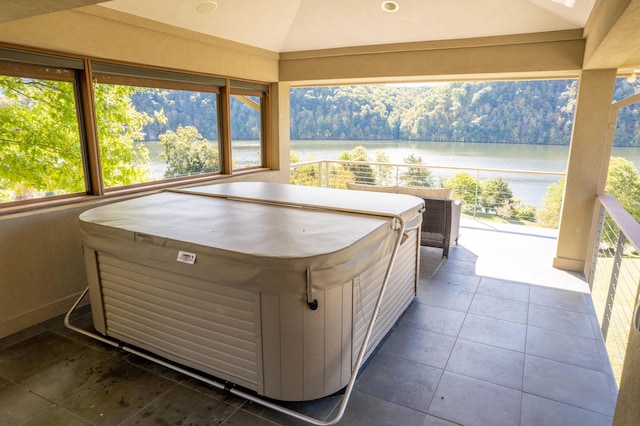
(83,72)
(15,63)
(264,99)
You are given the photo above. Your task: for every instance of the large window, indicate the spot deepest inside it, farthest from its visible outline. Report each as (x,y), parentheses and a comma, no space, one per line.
(71,126)
(246,131)
(40,146)
(152,128)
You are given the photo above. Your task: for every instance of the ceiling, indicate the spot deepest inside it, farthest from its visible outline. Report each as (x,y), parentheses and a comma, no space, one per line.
(298,25)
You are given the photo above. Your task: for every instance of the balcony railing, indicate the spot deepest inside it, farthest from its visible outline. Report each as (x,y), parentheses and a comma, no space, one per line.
(615,278)
(502,192)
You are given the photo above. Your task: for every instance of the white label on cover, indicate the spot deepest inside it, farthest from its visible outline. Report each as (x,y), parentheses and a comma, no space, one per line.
(186,257)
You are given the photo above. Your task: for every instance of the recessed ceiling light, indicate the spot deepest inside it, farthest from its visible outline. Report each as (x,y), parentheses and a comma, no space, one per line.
(390,6)
(206,6)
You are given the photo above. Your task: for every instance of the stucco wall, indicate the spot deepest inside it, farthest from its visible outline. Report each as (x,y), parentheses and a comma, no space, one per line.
(101,33)
(41,264)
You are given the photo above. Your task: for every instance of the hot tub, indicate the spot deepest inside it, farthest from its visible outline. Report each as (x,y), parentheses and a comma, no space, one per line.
(268,286)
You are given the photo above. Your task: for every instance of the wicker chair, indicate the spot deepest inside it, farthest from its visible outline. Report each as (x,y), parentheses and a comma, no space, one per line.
(441,217)
(440,224)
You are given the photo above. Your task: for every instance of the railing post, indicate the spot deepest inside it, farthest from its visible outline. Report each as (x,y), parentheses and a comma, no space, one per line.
(615,273)
(596,249)
(320,173)
(326,173)
(475,202)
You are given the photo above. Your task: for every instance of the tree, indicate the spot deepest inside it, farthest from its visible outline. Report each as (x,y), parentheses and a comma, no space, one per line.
(549,214)
(524,211)
(363,173)
(623,183)
(188,153)
(306,175)
(40,148)
(504,210)
(383,174)
(123,160)
(495,193)
(464,188)
(416,176)
(40,144)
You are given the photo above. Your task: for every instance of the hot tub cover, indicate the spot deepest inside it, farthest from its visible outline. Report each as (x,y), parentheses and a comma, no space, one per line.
(273,238)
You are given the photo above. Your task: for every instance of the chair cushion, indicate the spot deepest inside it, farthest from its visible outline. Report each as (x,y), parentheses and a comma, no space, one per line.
(374,188)
(435,193)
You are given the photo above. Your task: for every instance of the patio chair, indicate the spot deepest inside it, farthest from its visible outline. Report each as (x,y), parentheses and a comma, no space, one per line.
(441,217)
(440,223)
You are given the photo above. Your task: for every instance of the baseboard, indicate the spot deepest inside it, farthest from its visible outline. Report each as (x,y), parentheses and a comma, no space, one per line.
(36,316)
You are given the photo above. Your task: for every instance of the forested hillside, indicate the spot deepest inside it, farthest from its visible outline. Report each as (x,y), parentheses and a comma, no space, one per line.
(528,112)
(192,109)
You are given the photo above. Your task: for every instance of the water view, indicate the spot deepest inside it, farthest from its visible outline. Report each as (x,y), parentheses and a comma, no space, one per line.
(529,188)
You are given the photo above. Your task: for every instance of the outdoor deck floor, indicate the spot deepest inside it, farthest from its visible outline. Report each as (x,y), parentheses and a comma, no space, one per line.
(495,337)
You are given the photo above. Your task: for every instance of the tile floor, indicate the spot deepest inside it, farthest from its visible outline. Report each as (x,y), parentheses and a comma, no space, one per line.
(495,337)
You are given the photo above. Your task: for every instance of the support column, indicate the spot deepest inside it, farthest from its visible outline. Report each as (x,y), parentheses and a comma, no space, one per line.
(587,169)
(280,130)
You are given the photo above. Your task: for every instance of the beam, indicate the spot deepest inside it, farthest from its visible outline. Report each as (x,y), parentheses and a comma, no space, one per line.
(612,33)
(18,9)
(544,55)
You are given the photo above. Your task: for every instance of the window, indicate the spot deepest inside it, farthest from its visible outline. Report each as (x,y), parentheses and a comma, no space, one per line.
(40,143)
(246,131)
(152,128)
(71,126)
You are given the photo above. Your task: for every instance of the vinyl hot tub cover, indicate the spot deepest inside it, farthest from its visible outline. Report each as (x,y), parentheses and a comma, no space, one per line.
(268,286)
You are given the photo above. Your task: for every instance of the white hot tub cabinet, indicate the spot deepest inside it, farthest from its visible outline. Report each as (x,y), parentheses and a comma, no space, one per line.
(218,278)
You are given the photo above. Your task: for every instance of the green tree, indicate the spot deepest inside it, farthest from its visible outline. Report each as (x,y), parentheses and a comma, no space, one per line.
(383,174)
(123,159)
(623,183)
(40,148)
(363,173)
(504,210)
(416,176)
(549,213)
(524,211)
(40,141)
(306,175)
(464,188)
(188,153)
(495,193)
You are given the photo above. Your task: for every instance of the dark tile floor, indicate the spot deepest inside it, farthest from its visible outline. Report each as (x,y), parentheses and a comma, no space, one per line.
(493,338)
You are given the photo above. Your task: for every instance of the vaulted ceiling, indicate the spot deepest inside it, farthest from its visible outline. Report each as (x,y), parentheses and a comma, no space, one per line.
(611,27)
(296,25)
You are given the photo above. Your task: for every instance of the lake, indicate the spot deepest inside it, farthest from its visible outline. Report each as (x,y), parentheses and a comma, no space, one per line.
(529,188)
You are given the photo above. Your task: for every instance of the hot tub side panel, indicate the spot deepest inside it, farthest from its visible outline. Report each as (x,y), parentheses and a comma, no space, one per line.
(210,327)
(306,353)
(400,292)
(309,354)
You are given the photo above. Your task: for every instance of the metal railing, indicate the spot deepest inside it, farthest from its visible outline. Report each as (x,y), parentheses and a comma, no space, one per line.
(503,192)
(615,278)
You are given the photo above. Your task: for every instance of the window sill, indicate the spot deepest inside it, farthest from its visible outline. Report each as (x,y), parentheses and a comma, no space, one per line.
(38,205)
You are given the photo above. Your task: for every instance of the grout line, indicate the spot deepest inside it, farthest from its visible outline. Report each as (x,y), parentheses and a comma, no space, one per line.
(135,413)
